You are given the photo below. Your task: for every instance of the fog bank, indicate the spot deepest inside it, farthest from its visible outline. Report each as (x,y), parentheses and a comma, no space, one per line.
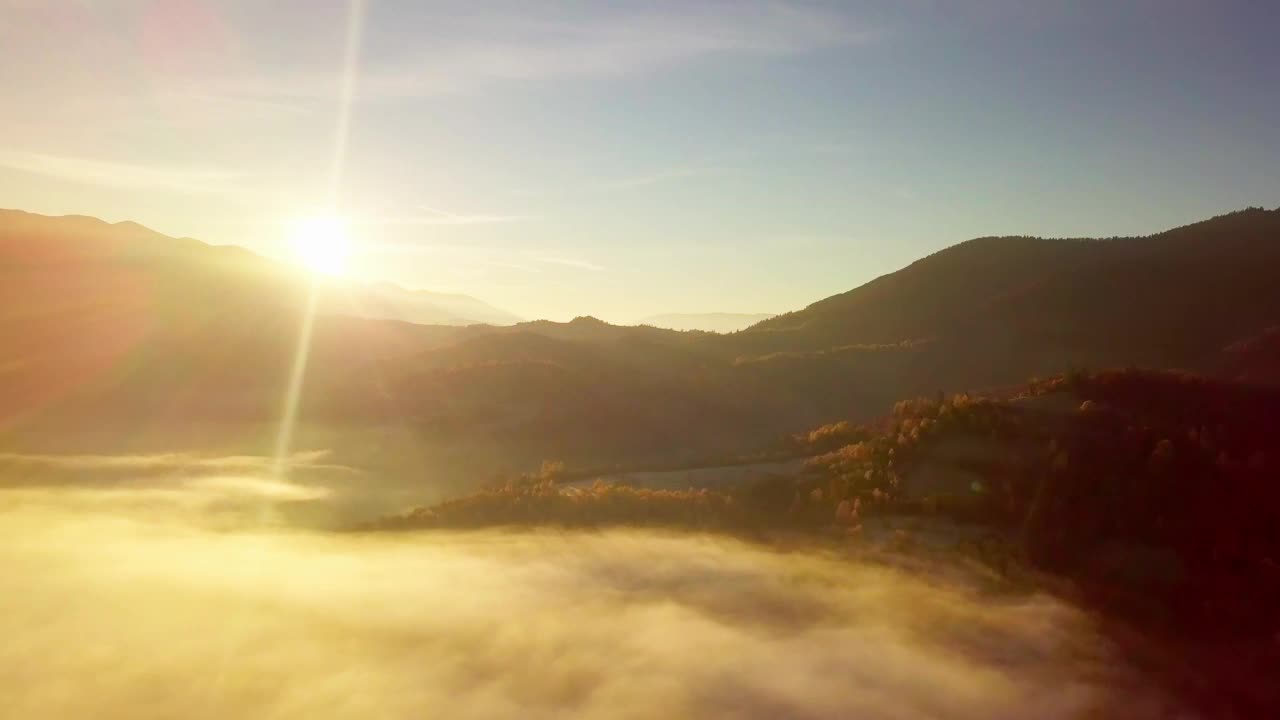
(117,606)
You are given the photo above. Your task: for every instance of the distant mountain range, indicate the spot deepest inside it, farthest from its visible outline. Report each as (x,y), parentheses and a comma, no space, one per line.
(393,302)
(710,322)
(113,326)
(87,246)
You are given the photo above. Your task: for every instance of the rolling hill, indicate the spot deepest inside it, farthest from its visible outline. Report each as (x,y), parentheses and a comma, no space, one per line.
(111,325)
(709,322)
(998,309)
(41,251)
(1179,296)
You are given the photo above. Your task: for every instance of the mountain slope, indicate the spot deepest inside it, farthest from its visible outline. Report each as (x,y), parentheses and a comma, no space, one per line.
(41,250)
(709,322)
(156,331)
(107,328)
(392,302)
(1177,297)
(928,296)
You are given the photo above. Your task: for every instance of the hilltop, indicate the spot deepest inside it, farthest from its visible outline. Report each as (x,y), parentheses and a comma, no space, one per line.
(68,254)
(111,325)
(711,322)
(1173,298)
(1149,496)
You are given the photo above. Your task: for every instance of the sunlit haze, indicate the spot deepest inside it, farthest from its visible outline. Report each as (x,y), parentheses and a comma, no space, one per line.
(321,243)
(625,159)
(630,359)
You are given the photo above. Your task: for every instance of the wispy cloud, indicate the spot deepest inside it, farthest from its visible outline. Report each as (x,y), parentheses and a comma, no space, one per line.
(120,174)
(614,45)
(425,215)
(661,176)
(905,193)
(231,106)
(465,258)
(529,260)
(436,216)
(836,148)
(573,263)
(507,265)
(511,47)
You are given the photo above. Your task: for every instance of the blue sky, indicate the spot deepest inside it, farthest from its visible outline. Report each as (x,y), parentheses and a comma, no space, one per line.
(623,159)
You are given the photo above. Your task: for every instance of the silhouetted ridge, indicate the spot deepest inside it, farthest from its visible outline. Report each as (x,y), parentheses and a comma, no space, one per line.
(193,336)
(1198,286)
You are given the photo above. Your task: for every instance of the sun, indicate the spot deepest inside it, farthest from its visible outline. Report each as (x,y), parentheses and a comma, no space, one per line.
(321,243)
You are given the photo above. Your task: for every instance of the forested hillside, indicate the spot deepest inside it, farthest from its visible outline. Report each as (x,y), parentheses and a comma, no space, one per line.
(113,321)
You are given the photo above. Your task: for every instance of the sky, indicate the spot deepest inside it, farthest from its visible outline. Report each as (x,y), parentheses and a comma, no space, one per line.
(624,158)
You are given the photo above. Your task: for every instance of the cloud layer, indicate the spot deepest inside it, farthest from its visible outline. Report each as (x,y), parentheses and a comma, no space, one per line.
(122,609)
(124,175)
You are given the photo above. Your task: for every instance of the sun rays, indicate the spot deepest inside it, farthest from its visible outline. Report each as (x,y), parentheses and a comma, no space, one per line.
(322,243)
(321,240)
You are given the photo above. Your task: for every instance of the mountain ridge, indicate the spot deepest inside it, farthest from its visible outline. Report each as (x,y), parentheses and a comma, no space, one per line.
(149,343)
(33,239)
(719,322)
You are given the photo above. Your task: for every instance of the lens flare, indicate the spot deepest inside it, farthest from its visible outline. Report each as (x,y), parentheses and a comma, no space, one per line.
(321,243)
(321,240)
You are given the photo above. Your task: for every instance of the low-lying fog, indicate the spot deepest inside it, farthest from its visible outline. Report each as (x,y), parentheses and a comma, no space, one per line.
(125,601)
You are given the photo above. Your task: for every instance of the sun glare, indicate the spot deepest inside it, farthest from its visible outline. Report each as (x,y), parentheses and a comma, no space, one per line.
(321,243)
